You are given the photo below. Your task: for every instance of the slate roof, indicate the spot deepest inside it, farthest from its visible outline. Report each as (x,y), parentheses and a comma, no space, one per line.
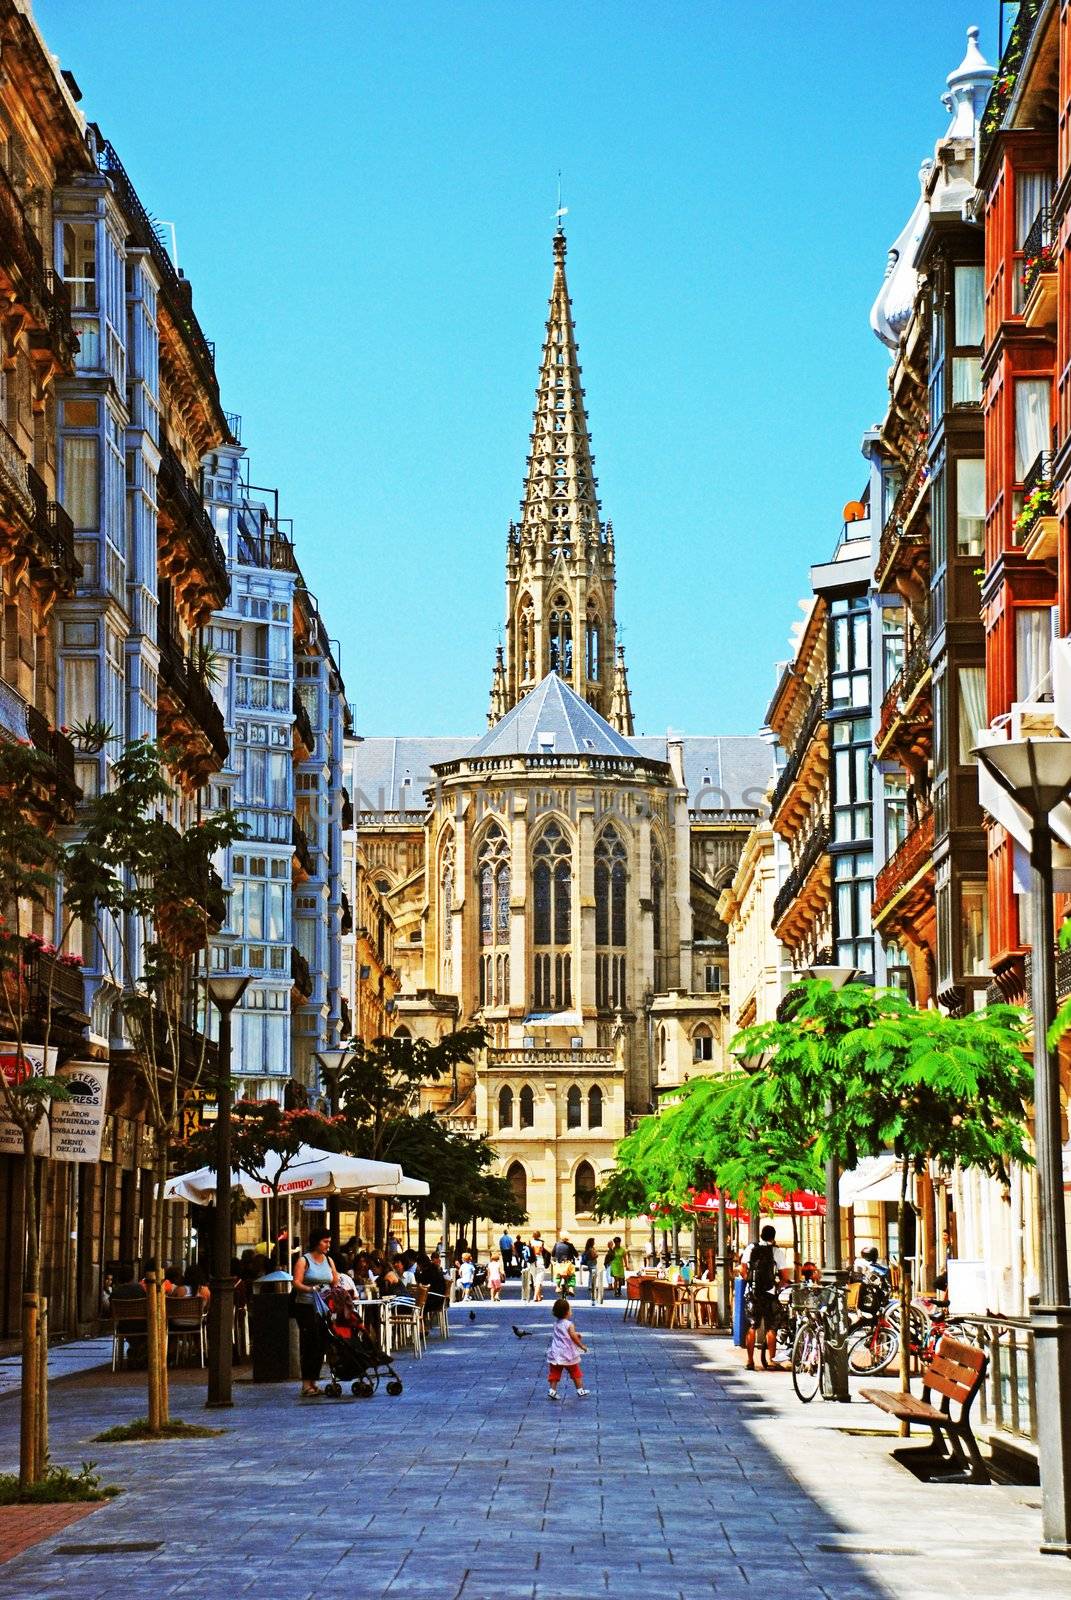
(392,774)
(722,772)
(553,718)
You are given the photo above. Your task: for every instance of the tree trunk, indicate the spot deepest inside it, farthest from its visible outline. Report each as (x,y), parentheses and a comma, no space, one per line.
(33,1448)
(42,1387)
(422,1225)
(905,1296)
(159,1215)
(795,1242)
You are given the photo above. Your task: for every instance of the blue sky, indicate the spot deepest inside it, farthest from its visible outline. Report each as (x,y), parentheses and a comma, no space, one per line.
(363,196)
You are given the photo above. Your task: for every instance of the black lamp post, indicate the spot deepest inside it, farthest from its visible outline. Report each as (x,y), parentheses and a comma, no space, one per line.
(1036,773)
(833,1267)
(224,993)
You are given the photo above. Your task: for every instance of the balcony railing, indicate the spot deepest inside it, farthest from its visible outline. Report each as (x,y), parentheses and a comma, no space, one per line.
(175,290)
(1040,474)
(808,728)
(174,485)
(53,985)
(15,473)
(907,680)
(1004,83)
(47,296)
(59,749)
(303,723)
(812,853)
(180,674)
(300,972)
(893,532)
(905,861)
(269,549)
(54,531)
(302,850)
(1037,251)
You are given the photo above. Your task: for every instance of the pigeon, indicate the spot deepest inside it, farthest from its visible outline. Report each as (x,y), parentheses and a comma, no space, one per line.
(472,1316)
(522,1333)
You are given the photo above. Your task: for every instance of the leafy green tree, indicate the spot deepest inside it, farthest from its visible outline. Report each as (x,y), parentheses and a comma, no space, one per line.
(860,1071)
(153,894)
(377,1089)
(260,1128)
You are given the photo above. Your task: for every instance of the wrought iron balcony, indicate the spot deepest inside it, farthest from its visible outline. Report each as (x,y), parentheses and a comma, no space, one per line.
(303,723)
(194,545)
(302,852)
(59,749)
(42,292)
(181,677)
(54,986)
(54,535)
(907,680)
(1038,254)
(300,973)
(893,538)
(267,548)
(909,857)
(811,722)
(1040,474)
(814,849)
(1000,95)
(175,291)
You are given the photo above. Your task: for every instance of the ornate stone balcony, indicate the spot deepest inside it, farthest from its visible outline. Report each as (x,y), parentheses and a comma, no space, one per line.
(192,728)
(814,849)
(37,291)
(189,551)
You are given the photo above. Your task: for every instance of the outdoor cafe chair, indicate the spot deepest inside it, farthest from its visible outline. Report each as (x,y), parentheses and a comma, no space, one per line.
(129,1321)
(187,1323)
(437,1314)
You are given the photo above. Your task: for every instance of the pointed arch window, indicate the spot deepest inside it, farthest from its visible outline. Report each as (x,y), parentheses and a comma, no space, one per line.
(611,916)
(493,883)
(584,1190)
(561,638)
(526,1105)
(446,913)
(592,644)
(552,894)
(574,1104)
(658,892)
(526,659)
(517,1179)
(505,1107)
(702,1044)
(594,1106)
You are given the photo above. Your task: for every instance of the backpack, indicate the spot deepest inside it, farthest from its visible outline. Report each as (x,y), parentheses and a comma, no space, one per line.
(762,1270)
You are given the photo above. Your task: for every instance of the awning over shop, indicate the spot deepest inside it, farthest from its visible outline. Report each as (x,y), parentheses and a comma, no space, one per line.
(876,1178)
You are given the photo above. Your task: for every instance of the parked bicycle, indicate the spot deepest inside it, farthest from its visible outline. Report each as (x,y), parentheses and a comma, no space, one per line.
(821,1324)
(874,1337)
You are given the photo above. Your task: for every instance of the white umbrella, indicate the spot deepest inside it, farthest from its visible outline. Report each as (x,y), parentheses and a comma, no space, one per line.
(404,1189)
(311,1173)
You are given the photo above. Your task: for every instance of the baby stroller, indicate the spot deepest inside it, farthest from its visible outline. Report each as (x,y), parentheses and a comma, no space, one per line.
(353,1355)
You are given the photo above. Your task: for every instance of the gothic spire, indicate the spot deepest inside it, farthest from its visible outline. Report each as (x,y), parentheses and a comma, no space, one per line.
(497,708)
(560,504)
(620,700)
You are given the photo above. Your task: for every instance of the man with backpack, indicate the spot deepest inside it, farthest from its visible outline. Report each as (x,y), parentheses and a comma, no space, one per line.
(766,1271)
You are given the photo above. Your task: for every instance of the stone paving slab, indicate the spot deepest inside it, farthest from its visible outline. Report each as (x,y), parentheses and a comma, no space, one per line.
(682,1478)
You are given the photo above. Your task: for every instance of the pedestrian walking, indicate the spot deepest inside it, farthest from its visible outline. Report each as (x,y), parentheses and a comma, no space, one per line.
(766,1270)
(540,1263)
(565,1345)
(494,1277)
(466,1275)
(505,1249)
(313,1273)
(616,1264)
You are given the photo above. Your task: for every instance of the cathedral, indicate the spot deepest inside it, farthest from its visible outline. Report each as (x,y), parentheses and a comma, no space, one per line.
(556,879)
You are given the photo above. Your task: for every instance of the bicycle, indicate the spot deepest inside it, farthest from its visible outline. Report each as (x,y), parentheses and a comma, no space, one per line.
(873,1340)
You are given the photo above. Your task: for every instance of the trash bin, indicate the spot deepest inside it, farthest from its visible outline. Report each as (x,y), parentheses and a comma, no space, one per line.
(269,1327)
(739,1288)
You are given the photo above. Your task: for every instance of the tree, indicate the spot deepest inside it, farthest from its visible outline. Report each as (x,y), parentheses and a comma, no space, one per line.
(260,1128)
(456,1168)
(30,861)
(376,1088)
(859,1071)
(154,894)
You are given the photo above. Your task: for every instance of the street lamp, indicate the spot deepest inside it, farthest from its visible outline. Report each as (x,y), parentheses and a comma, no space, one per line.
(833,1272)
(224,993)
(1036,773)
(331,1064)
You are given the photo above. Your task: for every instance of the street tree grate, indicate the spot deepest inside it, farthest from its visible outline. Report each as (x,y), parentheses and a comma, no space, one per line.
(116,1548)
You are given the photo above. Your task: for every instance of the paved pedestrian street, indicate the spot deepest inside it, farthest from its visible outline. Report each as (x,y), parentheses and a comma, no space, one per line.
(681,1477)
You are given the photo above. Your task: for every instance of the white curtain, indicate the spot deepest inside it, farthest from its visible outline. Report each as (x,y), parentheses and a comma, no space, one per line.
(1031,423)
(969,317)
(1033,191)
(81,482)
(972,716)
(1033,637)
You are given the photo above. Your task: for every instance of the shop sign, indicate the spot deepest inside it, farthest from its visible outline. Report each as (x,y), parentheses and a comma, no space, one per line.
(33,1061)
(78,1123)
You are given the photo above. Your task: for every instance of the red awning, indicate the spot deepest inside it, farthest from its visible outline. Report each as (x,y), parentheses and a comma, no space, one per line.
(803,1202)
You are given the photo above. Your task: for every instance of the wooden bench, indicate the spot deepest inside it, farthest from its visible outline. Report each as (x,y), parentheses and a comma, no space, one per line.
(956,1372)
